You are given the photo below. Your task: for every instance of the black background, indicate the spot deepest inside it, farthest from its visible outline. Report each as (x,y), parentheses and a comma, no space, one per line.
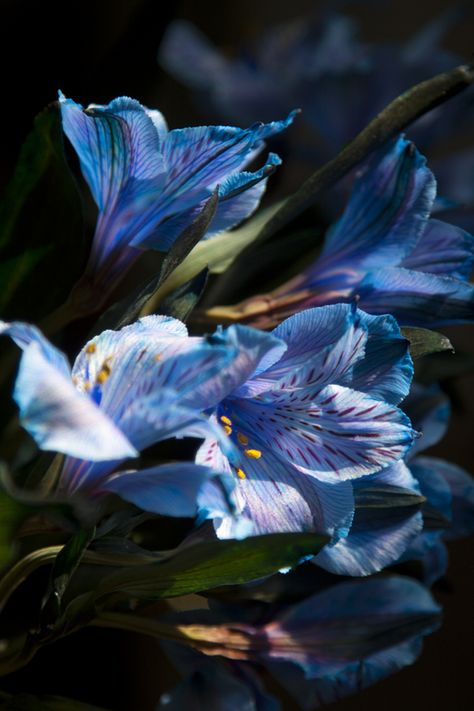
(95,51)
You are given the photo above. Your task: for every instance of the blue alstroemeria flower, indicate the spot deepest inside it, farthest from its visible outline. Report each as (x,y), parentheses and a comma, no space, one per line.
(127,390)
(309,419)
(325,647)
(449,490)
(319,63)
(387,252)
(150,183)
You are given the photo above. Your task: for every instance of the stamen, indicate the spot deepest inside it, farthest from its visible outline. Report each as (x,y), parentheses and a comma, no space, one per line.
(226,420)
(227,430)
(242,439)
(253,453)
(91,348)
(103,373)
(158,357)
(241,474)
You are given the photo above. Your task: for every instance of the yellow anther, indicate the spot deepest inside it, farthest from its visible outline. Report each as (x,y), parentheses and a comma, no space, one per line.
(227,430)
(158,357)
(242,438)
(87,386)
(241,474)
(253,453)
(91,348)
(103,374)
(226,420)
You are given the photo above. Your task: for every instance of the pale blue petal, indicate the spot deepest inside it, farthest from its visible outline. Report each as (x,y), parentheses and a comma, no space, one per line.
(23,334)
(175,489)
(62,419)
(378,537)
(298,502)
(335,434)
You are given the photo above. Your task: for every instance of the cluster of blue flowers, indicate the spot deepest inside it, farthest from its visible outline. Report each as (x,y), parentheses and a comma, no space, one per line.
(315,427)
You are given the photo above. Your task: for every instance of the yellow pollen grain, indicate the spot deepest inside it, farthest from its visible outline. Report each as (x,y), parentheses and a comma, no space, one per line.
(242,438)
(253,453)
(241,474)
(103,374)
(226,420)
(158,357)
(227,430)
(91,348)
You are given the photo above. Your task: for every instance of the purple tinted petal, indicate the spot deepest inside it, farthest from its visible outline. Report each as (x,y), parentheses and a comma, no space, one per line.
(443,249)
(416,298)
(387,211)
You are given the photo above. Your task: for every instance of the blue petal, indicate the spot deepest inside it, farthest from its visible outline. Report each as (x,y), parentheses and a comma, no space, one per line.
(443,249)
(386,370)
(175,489)
(334,434)
(298,502)
(461,488)
(126,369)
(351,621)
(23,334)
(60,418)
(387,211)
(377,538)
(198,159)
(428,408)
(240,195)
(416,298)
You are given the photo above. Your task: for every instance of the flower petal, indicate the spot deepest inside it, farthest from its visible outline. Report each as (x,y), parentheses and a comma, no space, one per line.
(175,489)
(387,211)
(443,249)
(416,298)
(334,434)
(298,502)
(378,535)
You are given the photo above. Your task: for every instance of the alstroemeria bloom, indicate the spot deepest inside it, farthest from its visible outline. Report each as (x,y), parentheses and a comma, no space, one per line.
(308,420)
(127,390)
(150,183)
(387,252)
(372,627)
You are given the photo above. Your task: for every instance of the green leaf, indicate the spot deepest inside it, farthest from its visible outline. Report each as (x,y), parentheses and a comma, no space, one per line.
(423,341)
(213,564)
(13,514)
(65,564)
(42,250)
(181,302)
(216,253)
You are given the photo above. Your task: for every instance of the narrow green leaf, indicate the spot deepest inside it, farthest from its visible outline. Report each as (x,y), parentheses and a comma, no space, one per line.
(214,564)
(423,341)
(181,302)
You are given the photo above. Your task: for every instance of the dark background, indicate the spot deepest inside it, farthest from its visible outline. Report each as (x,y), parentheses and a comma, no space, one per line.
(95,51)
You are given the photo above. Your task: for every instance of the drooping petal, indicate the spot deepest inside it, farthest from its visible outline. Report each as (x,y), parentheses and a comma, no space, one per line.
(60,418)
(334,434)
(443,249)
(278,498)
(385,523)
(174,489)
(52,410)
(351,621)
(416,298)
(387,211)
